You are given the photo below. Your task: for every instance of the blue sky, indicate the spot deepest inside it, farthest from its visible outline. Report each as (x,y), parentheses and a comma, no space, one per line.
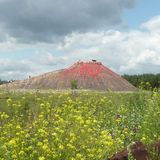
(142,12)
(123,34)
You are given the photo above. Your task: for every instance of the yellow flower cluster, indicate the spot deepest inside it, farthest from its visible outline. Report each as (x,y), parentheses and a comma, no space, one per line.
(82,126)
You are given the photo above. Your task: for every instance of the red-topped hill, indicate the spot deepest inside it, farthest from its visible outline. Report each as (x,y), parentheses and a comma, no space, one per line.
(89,75)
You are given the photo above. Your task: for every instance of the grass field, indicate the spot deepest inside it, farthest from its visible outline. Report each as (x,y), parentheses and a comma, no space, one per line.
(75,125)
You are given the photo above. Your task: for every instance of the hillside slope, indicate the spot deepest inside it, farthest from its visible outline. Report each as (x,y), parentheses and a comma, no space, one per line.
(89,75)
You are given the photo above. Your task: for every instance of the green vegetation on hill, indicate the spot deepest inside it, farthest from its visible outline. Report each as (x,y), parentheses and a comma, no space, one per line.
(75,125)
(152,80)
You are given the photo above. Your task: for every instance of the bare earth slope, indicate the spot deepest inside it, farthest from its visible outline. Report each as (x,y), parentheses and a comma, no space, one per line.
(90,75)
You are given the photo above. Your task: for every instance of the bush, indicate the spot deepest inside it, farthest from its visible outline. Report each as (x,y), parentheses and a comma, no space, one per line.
(74,84)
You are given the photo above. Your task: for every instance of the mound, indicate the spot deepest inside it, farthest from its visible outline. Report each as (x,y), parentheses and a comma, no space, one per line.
(87,75)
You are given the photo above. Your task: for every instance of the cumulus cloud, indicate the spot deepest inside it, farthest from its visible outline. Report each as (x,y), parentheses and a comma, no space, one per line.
(11,69)
(36,64)
(45,21)
(153,25)
(10,65)
(46,58)
(132,52)
(129,52)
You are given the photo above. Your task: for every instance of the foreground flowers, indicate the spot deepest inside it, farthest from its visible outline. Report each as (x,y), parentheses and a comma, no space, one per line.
(75,126)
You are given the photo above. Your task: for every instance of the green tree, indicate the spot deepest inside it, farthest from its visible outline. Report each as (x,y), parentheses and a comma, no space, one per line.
(146,79)
(3,82)
(74,84)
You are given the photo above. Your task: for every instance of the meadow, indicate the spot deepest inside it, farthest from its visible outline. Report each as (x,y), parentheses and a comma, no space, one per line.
(75,125)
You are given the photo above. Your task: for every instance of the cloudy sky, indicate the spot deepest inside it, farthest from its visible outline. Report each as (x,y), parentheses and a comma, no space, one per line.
(45,35)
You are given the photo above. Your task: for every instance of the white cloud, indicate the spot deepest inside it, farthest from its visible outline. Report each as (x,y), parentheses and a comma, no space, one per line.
(133,52)
(11,69)
(45,58)
(8,44)
(37,63)
(130,52)
(153,25)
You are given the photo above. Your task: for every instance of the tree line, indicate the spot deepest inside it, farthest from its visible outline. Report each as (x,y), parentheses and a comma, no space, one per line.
(3,81)
(146,81)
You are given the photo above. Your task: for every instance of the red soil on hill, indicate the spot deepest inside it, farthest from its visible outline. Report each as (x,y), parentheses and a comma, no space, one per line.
(89,75)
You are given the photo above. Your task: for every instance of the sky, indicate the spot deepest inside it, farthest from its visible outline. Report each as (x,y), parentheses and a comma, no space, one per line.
(46,35)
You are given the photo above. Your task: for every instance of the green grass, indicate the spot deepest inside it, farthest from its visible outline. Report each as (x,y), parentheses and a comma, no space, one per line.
(75,125)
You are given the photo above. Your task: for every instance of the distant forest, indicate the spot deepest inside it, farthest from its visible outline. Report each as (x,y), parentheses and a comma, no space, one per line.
(3,81)
(146,81)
